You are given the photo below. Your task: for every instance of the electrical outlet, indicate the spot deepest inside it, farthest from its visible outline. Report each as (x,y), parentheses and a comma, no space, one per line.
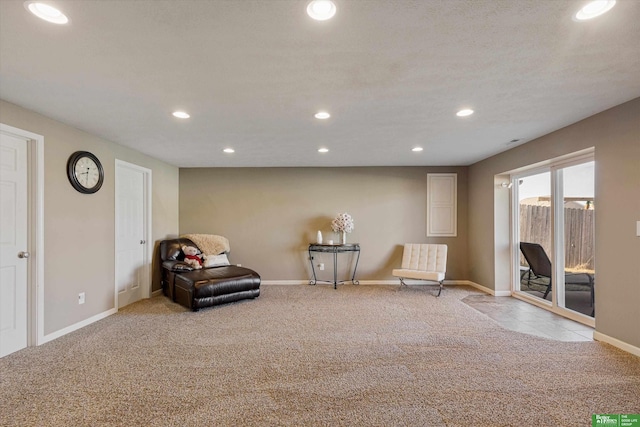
(81,298)
(239,265)
(321,266)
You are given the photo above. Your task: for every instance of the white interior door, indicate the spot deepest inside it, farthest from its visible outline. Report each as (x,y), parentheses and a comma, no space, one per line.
(13,244)
(132,261)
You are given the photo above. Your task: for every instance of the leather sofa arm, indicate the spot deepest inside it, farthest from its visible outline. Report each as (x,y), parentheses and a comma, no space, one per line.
(174,265)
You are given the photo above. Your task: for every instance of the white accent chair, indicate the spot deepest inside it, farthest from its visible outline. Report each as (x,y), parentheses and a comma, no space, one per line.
(423,261)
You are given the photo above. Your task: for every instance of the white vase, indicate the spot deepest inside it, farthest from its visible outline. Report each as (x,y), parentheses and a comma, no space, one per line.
(319,237)
(344,238)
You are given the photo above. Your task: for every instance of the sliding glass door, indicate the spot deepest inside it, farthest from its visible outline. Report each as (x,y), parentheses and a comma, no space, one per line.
(533,208)
(577,217)
(553,236)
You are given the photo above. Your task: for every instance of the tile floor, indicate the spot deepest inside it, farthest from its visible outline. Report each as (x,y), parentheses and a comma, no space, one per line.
(520,316)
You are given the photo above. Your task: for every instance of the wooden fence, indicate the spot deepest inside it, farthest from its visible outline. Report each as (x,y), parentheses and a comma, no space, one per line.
(535,227)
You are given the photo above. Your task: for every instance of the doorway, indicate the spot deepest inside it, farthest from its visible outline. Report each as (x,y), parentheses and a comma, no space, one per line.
(21,239)
(553,245)
(133,231)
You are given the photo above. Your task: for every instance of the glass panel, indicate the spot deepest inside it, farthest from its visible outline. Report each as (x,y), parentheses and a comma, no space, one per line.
(534,197)
(579,243)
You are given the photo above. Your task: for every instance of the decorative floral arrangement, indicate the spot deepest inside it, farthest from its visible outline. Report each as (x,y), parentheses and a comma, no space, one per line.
(342,223)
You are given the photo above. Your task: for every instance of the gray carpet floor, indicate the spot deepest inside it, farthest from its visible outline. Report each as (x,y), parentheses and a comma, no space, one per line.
(314,356)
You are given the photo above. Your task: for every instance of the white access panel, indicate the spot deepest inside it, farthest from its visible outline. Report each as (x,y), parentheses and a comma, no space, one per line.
(442,195)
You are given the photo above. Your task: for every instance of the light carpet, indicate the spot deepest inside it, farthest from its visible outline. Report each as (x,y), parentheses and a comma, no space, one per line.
(314,356)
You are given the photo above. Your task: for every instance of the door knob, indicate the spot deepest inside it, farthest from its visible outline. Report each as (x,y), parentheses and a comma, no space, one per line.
(142,242)
(23,254)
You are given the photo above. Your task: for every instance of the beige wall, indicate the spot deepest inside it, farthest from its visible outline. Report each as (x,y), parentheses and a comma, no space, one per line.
(270,215)
(615,134)
(78,228)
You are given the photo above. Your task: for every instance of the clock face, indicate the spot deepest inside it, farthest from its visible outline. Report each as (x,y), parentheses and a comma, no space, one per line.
(85,172)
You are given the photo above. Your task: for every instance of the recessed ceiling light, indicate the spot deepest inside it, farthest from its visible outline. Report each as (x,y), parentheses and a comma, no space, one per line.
(229,150)
(417,149)
(322,115)
(464,113)
(46,12)
(323,150)
(593,9)
(321,10)
(181,114)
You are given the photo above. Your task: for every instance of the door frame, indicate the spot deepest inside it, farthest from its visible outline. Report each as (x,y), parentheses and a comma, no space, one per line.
(554,167)
(558,235)
(35,230)
(515,230)
(147,174)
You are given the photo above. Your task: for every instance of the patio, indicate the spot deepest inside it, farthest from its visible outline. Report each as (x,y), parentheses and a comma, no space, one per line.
(577,297)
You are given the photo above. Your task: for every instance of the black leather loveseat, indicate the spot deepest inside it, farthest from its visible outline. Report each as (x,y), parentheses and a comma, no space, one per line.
(196,289)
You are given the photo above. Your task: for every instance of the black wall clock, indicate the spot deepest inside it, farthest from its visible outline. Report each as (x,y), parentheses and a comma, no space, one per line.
(85,172)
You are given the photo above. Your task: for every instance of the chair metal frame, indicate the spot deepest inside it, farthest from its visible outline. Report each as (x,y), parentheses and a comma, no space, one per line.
(540,267)
(423,261)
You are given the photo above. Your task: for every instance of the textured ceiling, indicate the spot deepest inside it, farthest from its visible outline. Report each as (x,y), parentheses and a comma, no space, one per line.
(253,73)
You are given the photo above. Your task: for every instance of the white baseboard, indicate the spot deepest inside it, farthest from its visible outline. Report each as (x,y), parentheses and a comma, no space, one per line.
(411,282)
(387,282)
(599,336)
(488,290)
(397,282)
(57,334)
(383,282)
(156,293)
(363,282)
(284,282)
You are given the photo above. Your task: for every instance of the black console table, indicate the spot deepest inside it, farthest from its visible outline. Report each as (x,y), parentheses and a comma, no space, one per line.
(335,250)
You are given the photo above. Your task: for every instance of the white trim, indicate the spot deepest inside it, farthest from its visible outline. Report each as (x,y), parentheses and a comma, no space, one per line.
(579,157)
(557,238)
(599,336)
(538,302)
(575,316)
(284,282)
(412,282)
(64,331)
(369,282)
(514,233)
(488,290)
(156,293)
(441,180)
(514,215)
(555,168)
(390,282)
(397,283)
(35,190)
(529,172)
(147,174)
(545,164)
(39,238)
(560,311)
